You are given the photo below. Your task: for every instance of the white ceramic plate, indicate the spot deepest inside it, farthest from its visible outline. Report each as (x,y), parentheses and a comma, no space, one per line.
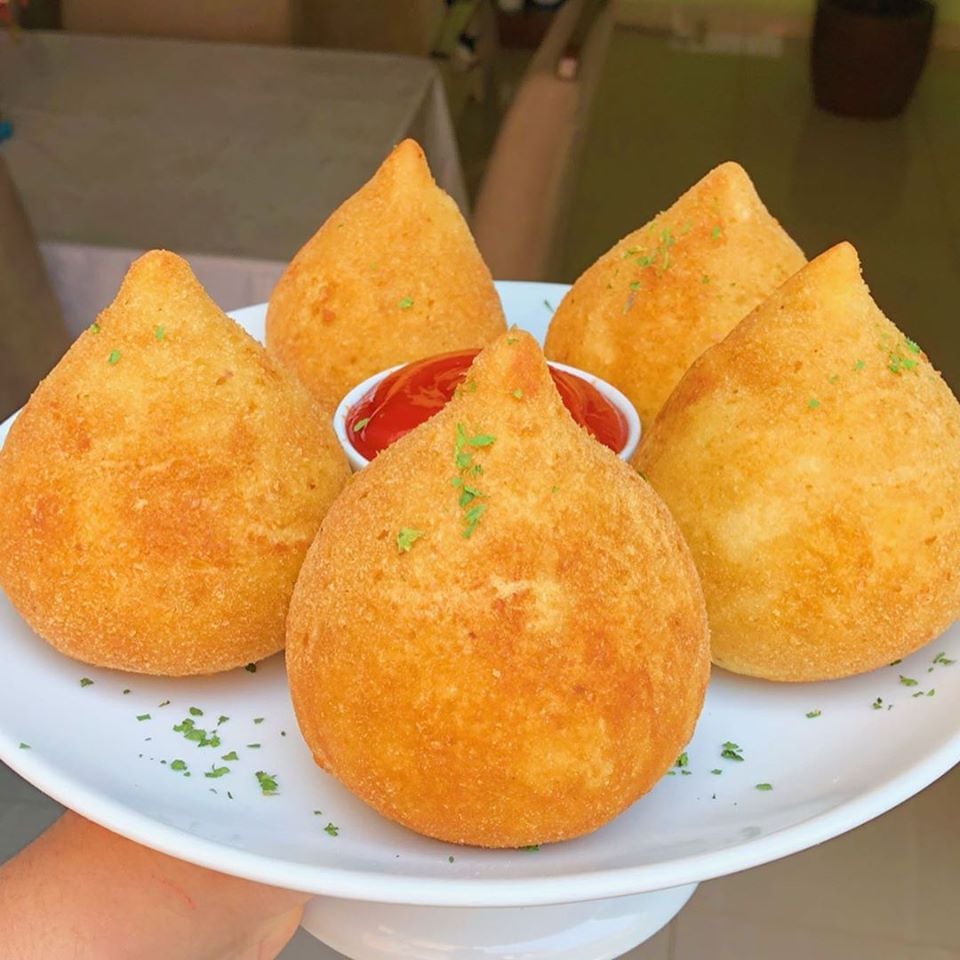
(829,773)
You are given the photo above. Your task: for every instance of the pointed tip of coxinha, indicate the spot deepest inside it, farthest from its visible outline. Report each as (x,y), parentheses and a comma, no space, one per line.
(514,362)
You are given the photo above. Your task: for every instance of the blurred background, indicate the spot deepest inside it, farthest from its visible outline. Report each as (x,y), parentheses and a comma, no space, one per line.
(227,130)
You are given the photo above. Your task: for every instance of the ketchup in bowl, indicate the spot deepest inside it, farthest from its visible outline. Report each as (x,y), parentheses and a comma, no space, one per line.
(412,394)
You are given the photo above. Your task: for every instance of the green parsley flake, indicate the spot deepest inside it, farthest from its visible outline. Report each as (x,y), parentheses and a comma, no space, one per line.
(331,829)
(406,303)
(94,327)
(941,659)
(253,746)
(813,403)
(318,813)
(715,232)
(178,765)
(113,357)
(158,332)
(216,772)
(222,719)
(232,755)
(716,771)
(763,786)
(730,751)
(251,668)
(406,538)
(143,716)
(166,703)
(834,378)
(24,746)
(531,847)
(877,704)
(812,713)
(471,518)
(258,719)
(196,712)
(859,365)
(704,279)
(548,305)
(481,440)
(517,394)
(911,346)
(450,859)
(683,760)
(125,692)
(268,783)
(931,692)
(86,682)
(511,340)
(908,681)
(893,663)
(360,424)
(635,285)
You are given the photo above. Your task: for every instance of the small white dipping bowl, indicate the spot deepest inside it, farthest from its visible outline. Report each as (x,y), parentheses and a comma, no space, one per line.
(358,461)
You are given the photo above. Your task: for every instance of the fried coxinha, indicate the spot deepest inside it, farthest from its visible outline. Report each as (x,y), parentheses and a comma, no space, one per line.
(498,637)
(162,485)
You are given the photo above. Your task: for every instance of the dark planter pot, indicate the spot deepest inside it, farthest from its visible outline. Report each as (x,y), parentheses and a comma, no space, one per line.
(866,63)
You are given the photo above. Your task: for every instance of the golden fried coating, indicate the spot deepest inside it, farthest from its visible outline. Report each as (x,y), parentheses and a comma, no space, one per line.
(159,490)
(642,313)
(812,461)
(392,276)
(498,637)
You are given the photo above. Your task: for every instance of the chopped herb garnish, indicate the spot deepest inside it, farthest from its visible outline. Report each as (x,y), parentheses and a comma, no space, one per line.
(125,692)
(683,760)
(158,332)
(222,719)
(730,751)
(331,829)
(764,786)
(715,232)
(859,365)
(517,394)
(893,663)
(635,285)
(450,859)
(232,755)
(24,746)
(813,403)
(253,746)
(531,847)
(548,305)
(511,340)
(143,716)
(406,303)
(716,771)
(113,357)
(196,712)
(406,538)
(360,424)
(704,279)
(911,346)
(178,765)
(908,681)
(812,713)
(554,489)
(251,668)
(216,772)
(878,703)
(318,813)
(471,518)
(481,440)
(834,378)
(268,783)
(258,719)
(94,327)
(941,658)
(931,692)
(86,682)
(166,703)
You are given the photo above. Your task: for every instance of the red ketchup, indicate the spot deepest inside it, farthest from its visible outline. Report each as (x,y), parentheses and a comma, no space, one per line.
(414,393)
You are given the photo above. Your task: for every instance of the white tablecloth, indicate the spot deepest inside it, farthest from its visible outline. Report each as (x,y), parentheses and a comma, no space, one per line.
(210,148)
